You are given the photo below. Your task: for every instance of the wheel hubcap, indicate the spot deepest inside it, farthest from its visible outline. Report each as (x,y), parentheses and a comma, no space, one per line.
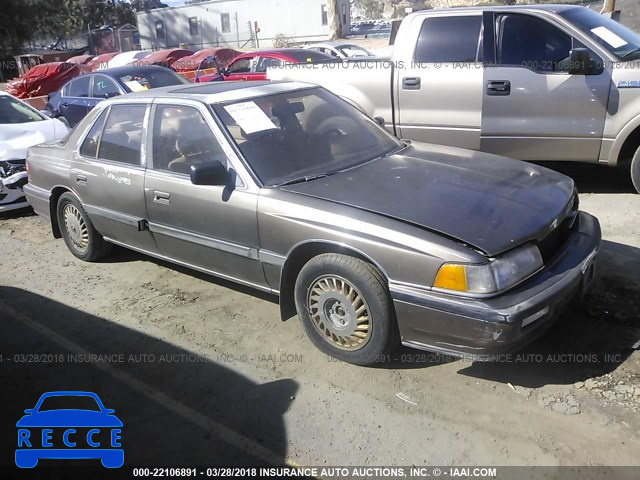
(75,227)
(339,312)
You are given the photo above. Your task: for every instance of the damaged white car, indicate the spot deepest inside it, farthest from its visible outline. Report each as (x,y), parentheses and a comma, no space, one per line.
(21,126)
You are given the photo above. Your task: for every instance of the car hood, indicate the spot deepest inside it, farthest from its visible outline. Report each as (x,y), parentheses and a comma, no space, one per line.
(16,138)
(69,418)
(489,202)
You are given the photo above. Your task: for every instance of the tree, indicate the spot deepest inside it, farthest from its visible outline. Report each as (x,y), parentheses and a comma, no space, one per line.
(369,8)
(23,21)
(333,17)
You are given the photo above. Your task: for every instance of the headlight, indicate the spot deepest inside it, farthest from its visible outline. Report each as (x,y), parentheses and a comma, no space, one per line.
(499,274)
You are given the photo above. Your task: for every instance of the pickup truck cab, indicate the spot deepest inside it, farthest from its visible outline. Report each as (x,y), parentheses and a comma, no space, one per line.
(536,83)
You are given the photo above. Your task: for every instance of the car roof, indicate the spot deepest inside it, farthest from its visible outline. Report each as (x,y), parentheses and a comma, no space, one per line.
(214,92)
(333,44)
(547,6)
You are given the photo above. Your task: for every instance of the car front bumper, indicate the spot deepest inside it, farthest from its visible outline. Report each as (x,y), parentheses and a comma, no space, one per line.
(482,328)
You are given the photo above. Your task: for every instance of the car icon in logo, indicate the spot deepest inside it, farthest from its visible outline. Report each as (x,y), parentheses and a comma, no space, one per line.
(69,425)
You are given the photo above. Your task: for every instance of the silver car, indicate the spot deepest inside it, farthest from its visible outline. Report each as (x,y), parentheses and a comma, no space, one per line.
(289,189)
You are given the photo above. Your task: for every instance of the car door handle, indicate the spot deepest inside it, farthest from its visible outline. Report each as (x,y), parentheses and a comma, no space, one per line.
(81,178)
(161,197)
(498,87)
(411,83)
(64,104)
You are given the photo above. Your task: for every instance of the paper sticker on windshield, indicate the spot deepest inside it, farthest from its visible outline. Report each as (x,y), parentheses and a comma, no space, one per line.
(250,117)
(135,86)
(608,36)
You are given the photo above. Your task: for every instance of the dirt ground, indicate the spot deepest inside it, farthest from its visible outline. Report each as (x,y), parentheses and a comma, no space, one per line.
(202,371)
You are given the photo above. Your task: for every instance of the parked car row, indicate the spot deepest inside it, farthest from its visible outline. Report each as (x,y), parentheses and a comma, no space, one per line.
(73,101)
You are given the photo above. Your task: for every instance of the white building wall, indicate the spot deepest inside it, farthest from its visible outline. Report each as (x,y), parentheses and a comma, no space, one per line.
(299,20)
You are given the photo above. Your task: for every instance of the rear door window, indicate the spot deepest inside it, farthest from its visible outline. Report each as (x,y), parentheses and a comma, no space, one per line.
(89,147)
(267,62)
(79,87)
(122,135)
(449,39)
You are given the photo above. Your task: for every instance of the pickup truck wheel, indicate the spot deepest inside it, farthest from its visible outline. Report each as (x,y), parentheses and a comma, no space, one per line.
(78,232)
(346,310)
(635,170)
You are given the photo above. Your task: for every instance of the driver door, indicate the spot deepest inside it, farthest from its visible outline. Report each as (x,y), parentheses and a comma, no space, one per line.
(531,109)
(211,228)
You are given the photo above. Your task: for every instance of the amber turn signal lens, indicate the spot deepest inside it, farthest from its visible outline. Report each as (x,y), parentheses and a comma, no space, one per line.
(451,277)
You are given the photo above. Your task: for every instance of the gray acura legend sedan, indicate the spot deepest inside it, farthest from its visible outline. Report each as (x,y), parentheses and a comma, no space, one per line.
(289,189)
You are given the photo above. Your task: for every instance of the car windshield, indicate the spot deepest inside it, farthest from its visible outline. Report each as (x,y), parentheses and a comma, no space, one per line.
(14,111)
(69,402)
(303,134)
(611,35)
(162,77)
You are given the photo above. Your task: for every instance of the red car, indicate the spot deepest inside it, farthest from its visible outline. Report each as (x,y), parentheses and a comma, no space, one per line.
(253,65)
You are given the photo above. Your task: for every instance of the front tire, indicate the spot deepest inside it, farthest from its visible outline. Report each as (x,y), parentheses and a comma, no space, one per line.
(635,170)
(78,232)
(346,310)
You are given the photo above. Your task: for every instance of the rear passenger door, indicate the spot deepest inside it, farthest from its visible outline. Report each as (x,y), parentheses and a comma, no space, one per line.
(213,228)
(439,91)
(109,176)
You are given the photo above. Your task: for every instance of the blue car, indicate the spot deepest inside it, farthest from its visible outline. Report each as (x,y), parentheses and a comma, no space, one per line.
(69,425)
(78,96)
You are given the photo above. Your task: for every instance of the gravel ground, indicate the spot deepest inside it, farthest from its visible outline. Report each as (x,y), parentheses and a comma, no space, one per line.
(211,363)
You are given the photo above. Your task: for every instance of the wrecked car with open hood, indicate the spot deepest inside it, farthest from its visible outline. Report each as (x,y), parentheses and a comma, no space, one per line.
(21,126)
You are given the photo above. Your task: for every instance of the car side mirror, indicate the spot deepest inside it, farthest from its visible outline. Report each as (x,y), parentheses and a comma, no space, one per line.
(111,94)
(379,121)
(109,411)
(29,411)
(579,61)
(209,173)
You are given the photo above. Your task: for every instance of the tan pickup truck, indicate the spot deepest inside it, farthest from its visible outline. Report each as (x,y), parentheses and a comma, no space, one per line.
(538,83)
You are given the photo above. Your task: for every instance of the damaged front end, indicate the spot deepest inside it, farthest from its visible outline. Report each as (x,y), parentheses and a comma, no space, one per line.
(13,178)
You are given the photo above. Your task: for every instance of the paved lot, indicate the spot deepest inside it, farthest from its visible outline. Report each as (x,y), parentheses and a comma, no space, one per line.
(204,372)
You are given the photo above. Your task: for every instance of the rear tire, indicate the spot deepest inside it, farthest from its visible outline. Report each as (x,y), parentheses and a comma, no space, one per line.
(78,232)
(346,310)
(635,170)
